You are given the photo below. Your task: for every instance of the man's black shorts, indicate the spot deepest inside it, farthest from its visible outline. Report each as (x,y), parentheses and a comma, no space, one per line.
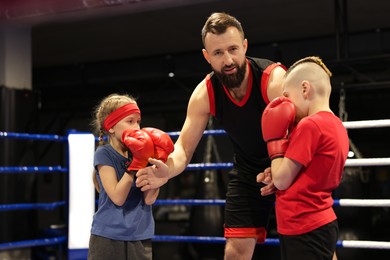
(245,207)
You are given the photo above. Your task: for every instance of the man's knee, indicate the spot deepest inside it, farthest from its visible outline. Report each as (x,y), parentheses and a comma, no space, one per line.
(239,248)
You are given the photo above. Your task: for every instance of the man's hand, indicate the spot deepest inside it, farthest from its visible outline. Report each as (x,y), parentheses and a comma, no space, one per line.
(152,177)
(266,178)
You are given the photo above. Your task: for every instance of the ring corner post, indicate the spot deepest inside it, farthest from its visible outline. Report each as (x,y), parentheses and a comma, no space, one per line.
(81,148)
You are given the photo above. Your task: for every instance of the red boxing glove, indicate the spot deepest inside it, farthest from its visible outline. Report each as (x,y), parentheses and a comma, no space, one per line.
(278,118)
(163,144)
(140,145)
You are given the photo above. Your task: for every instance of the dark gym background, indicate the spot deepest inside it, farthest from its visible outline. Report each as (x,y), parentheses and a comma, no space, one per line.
(81,53)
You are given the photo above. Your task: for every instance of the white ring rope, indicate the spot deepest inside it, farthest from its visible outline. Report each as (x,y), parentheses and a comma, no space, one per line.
(367,162)
(366,244)
(364,202)
(367,124)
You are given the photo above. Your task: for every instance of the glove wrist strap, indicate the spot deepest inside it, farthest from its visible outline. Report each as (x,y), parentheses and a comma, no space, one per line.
(277,148)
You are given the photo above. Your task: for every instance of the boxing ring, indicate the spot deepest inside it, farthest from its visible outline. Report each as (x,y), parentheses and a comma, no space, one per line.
(80,203)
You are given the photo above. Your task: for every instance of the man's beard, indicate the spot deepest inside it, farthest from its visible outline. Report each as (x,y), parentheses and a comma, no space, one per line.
(232,80)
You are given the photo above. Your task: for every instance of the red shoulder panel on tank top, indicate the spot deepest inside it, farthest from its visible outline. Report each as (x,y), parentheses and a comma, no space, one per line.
(265,78)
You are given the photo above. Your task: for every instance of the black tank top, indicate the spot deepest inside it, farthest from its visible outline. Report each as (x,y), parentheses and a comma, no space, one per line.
(242,120)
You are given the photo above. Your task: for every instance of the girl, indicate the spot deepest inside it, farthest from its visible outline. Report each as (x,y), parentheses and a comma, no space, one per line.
(123,225)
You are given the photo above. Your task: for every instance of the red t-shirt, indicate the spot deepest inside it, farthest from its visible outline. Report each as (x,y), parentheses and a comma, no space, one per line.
(320,143)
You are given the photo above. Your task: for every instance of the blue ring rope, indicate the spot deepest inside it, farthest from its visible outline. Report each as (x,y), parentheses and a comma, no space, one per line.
(205,133)
(209,166)
(43,137)
(34,242)
(203,239)
(197,202)
(30,206)
(32,169)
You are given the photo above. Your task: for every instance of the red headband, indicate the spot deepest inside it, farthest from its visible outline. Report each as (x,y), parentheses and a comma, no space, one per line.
(120,113)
